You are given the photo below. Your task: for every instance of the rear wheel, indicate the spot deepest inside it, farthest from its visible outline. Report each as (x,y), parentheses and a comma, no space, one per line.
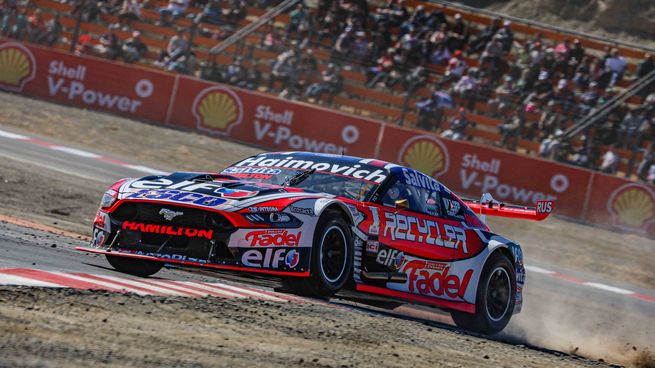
(495,298)
(332,259)
(136,267)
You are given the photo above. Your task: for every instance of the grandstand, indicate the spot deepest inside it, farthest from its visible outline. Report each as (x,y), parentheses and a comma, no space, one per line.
(395,104)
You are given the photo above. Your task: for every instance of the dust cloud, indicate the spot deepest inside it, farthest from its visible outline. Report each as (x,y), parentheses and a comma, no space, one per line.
(592,324)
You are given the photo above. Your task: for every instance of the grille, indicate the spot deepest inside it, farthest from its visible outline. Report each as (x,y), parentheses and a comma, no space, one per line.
(191,217)
(149,213)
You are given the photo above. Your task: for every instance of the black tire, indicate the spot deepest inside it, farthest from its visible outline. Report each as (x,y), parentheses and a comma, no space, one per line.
(136,267)
(495,298)
(332,259)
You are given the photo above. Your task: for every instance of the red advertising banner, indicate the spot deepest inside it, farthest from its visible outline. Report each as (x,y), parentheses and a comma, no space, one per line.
(270,122)
(622,204)
(85,82)
(473,170)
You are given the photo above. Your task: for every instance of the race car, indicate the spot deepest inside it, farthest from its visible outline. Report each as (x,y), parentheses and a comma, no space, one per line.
(323,223)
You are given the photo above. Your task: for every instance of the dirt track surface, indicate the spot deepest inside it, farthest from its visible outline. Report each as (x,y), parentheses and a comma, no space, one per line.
(67,328)
(609,255)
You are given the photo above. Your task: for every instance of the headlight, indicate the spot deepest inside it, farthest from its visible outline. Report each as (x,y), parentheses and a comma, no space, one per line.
(108,199)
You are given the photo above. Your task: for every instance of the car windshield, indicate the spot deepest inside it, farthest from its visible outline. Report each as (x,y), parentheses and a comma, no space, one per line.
(337,175)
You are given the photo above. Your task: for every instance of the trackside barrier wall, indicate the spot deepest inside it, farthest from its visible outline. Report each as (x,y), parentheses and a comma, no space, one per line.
(278,124)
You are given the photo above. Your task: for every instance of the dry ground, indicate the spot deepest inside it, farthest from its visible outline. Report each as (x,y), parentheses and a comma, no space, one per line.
(611,256)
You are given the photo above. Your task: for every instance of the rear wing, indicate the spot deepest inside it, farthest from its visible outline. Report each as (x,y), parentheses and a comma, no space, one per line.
(488,206)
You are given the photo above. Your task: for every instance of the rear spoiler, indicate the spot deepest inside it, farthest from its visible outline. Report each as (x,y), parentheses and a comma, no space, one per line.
(488,206)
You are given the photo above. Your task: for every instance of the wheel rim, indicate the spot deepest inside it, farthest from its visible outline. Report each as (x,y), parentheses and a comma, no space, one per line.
(334,251)
(498,294)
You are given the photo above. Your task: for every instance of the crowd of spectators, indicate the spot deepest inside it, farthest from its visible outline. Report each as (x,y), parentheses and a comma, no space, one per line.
(536,88)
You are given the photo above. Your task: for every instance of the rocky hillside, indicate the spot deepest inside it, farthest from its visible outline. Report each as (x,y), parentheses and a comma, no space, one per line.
(629,20)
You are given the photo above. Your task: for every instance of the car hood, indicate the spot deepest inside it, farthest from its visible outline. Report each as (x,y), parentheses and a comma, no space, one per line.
(212,191)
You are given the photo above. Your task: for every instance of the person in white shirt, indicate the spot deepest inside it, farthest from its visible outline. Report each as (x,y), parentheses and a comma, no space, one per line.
(610,162)
(616,65)
(174,10)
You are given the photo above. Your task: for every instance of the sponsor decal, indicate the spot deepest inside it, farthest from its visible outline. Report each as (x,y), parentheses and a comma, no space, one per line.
(176,257)
(251,172)
(292,259)
(68,81)
(217,110)
(372,246)
(262,209)
(419,230)
(290,162)
(178,196)
(278,127)
(17,66)
(267,258)
(632,206)
(391,258)
(452,206)
(99,237)
(544,206)
(301,210)
(483,177)
(189,232)
(234,193)
(432,278)
(102,221)
(418,179)
(275,238)
(426,154)
(169,215)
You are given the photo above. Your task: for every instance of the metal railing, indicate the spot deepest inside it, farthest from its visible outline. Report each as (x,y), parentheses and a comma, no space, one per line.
(545,26)
(252,27)
(610,105)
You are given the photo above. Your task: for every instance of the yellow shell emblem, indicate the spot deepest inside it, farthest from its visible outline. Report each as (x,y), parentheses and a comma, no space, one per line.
(16,66)
(217,109)
(633,207)
(425,154)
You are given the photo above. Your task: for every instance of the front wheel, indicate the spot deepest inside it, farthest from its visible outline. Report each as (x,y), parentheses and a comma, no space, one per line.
(495,298)
(332,259)
(136,267)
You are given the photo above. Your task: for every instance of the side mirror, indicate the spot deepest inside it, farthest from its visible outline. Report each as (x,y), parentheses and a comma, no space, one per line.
(402,204)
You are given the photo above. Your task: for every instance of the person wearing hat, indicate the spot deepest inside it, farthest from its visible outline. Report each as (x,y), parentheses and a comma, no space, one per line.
(109,46)
(458,125)
(459,34)
(134,48)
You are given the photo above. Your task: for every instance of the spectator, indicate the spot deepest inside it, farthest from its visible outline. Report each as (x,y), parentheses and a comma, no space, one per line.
(308,61)
(509,132)
(84,45)
(87,9)
(431,111)
(282,71)
(36,26)
(610,162)
(381,72)
(506,36)
(646,169)
(171,12)
(273,40)
(459,34)
(645,66)
(493,54)
(504,98)
(458,126)
(548,147)
(360,49)
(615,66)
(564,96)
(330,83)
(21,24)
(576,55)
(392,14)
(253,77)
(415,78)
(296,17)
(236,73)
(52,30)
(455,69)
(176,48)
(212,13)
(134,48)
(109,46)
(130,11)
(341,52)
(441,55)
(480,42)
(237,11)
(467,89)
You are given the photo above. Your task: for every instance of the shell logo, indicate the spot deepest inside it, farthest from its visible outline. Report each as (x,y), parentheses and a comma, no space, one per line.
(426,154)
(217,110)
(17,66)
(632,206)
